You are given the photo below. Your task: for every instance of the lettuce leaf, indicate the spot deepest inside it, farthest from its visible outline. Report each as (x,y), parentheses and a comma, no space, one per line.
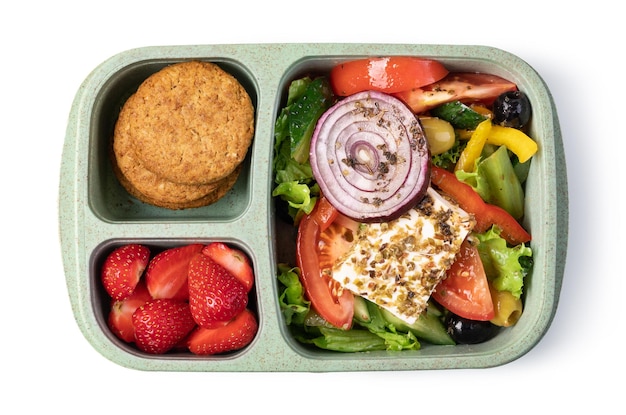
(496,181)
(307,99)
(505,266)
(476,179)
(293,304)
(309,328)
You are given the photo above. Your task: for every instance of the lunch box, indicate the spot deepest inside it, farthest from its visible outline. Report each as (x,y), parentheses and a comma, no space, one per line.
(96,214)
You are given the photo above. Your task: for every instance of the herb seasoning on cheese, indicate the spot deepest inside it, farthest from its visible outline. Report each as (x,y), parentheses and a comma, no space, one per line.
(397,264)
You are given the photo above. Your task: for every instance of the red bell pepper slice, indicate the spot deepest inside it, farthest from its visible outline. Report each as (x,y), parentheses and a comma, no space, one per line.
(486,215)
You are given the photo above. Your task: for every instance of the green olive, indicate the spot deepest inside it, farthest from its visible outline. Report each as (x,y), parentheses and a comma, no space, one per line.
(439,133)
(508,308)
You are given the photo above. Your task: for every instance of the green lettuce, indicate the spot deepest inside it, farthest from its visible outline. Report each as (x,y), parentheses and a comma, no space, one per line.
(293,304)
(505,266)
(309,328)
(447,160)
(496,181)
(307,100)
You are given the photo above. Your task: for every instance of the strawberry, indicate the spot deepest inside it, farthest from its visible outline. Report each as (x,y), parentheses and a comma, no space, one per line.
(235,335)
(123,268)
(160,324)
(215,295)
(234,260)
(166,275)
(120,319)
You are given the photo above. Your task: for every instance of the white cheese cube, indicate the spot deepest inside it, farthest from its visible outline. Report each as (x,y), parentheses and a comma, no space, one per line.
(398,264)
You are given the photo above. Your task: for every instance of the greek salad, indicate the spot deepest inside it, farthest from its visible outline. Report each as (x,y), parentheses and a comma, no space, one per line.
(404,185)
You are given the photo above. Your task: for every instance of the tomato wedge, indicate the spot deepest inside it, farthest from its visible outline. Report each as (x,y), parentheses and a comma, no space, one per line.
(461,86)
(465,291)
(323,236)
(386,74)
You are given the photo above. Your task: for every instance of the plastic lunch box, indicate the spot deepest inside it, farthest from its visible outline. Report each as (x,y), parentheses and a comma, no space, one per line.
(96,214)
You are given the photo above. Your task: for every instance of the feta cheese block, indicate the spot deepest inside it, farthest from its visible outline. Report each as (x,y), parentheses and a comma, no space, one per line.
(398,264)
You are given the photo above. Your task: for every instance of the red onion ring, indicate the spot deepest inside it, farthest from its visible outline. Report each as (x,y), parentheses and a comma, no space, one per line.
(370,157)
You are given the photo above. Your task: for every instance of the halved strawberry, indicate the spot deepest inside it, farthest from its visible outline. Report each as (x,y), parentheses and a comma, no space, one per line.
(235,335)
(166,276)
(234,260)
(160,324)
(123,268)
(215,295)
(120,318)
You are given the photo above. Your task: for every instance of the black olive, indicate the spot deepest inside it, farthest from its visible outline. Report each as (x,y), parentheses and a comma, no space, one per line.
(466,331)
(512,109)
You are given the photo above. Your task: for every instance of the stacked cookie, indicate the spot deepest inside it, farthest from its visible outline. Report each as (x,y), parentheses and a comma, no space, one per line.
(181,138)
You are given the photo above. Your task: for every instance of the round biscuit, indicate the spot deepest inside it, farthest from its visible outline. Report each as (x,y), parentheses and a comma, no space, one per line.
(225,185)
(143,180)
(192,123)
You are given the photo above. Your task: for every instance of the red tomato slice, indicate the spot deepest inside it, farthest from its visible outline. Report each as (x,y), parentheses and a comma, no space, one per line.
(486,215)
(465,291)
(321,240)
(388,74)
(461,86)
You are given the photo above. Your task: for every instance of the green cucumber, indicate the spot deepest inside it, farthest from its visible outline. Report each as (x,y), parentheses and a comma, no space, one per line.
(427,327)
(504,186)
(303,115)
(361,312)
(348,340)
(458,114)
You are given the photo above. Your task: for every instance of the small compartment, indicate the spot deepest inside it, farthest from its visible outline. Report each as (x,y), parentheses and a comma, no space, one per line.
(107,198)
(101,301)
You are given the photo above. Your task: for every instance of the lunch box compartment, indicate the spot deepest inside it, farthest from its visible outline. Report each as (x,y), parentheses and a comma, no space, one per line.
(101,301)
(107,198)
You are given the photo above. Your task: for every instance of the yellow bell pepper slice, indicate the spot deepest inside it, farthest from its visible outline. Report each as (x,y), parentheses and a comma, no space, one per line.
(515,140)
(474,147)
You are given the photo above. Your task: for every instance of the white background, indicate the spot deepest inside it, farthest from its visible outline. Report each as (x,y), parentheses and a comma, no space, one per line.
(48,48)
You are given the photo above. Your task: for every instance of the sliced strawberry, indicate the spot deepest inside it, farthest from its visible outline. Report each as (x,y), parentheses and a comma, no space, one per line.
(160,324)
(120,318)
(234,260)
(215,295)
(123,268)
(235,335)
(166,275)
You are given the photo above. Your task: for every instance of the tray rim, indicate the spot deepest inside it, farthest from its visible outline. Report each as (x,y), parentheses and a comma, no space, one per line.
(75,217)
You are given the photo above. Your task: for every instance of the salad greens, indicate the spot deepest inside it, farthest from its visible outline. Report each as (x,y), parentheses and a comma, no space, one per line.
(306,101)
(505,266)
(374,328)
(496,181)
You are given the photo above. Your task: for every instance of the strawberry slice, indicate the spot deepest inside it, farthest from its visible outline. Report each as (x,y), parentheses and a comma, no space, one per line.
(235,335)
(166,276)
(234,260)
(120,318)
(160,324)
(215,295)
(123,268)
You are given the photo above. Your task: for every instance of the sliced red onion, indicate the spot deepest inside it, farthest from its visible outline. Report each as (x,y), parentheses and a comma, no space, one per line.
(370,157)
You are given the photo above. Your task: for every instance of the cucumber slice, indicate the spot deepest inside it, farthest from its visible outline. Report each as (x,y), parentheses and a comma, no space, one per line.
(427,327)
(458,114)
(361,312)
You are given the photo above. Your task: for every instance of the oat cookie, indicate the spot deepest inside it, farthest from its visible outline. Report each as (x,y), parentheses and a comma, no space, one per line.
(220,191)
(192,123)
(180,139)
(144,181)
